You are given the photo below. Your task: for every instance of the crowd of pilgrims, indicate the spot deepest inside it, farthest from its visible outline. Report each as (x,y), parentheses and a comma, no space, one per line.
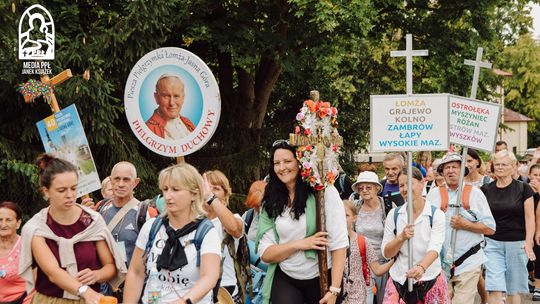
(186,246)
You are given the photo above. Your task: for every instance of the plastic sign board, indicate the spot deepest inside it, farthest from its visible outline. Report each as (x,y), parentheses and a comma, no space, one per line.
(473,123)
(172,102)
(62,135)
(409,122)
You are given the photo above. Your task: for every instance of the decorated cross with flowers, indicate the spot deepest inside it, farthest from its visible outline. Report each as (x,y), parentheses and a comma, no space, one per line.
(318,144)
(34,88)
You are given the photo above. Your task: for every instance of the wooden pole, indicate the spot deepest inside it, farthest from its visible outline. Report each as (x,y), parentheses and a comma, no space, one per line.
(321,216)
(409,53)
(478,63)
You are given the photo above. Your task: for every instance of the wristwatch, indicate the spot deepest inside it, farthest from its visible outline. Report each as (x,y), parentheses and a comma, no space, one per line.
(188,301)
(211,199)
(82,289)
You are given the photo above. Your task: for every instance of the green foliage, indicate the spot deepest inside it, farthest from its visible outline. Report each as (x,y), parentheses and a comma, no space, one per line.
(523,88)
(266,56)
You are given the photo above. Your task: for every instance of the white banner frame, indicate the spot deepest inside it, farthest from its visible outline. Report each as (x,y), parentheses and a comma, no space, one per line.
(494,118)
(439,120)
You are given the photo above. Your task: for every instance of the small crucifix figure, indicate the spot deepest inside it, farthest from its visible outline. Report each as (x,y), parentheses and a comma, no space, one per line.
(408,53)
(322,142)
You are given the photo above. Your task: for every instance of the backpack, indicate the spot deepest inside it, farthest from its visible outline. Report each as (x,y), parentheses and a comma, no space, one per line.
(343,185)
(242,265)
(396,210)
(148,205)
(145,206)
(204,226)
(465,197)
(386,205)
(102,203)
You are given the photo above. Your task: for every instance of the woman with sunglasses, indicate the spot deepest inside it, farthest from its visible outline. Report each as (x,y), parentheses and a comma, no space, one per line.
(508,250)
(370,221)
(287,238)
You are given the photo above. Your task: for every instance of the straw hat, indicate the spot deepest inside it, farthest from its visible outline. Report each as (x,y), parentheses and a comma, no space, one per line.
(367,177)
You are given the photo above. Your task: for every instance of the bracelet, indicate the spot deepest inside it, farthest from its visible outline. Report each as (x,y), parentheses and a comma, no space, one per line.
(421,267)
(334,290)
(335,294)
(211,199)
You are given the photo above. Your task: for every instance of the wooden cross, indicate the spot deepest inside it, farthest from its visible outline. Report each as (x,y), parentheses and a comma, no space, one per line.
(55,81)
(408,54)
(477,64)
(321,142)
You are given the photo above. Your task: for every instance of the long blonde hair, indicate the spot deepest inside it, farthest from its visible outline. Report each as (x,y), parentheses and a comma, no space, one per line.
(187,177)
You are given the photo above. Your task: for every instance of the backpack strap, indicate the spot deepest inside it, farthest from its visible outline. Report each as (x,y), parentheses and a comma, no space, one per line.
(396,210)
(444,197)
(466,196)
(204,226)
(363,256)
(249,218)
(152,235)
(433,209)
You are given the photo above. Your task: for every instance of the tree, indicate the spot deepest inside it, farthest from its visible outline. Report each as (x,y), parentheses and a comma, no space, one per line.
(523,88)
(266,55)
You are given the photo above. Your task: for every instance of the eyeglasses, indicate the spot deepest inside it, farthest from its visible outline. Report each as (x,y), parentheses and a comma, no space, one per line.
(281,142)
(364,188)
(502,165)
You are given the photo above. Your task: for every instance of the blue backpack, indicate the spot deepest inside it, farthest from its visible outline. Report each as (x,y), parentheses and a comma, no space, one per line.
(204,226)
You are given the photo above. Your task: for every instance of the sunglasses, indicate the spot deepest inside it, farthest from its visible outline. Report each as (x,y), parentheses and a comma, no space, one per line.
(281,142)
(365,188)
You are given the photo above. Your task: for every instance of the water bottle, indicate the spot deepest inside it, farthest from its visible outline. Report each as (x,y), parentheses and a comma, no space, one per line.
(153,287)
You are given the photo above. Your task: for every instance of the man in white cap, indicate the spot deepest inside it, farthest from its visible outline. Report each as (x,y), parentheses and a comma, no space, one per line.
(475,221)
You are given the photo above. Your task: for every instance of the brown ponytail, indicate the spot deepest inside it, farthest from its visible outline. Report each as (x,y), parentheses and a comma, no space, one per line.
(48,166)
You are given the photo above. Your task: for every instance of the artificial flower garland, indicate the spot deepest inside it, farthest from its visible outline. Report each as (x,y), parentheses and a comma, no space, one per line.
(315,117)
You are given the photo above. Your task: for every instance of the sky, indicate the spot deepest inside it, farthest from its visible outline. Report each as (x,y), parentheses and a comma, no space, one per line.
(535,12)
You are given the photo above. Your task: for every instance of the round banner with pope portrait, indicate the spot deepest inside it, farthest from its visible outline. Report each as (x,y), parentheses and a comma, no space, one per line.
(172,102)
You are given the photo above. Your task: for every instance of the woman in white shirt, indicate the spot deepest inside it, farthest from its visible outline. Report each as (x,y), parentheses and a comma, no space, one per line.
(287,236)
(230,228)
(183,273)
(427,236)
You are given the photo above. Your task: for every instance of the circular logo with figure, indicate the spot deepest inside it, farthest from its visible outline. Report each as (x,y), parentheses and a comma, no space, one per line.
(172,102)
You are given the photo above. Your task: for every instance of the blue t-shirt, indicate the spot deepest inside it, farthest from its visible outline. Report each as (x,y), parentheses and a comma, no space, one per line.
(126,230)
(391,193)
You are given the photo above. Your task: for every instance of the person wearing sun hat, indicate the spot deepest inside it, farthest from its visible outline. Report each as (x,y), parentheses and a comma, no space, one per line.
(474,221)
(371,215)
